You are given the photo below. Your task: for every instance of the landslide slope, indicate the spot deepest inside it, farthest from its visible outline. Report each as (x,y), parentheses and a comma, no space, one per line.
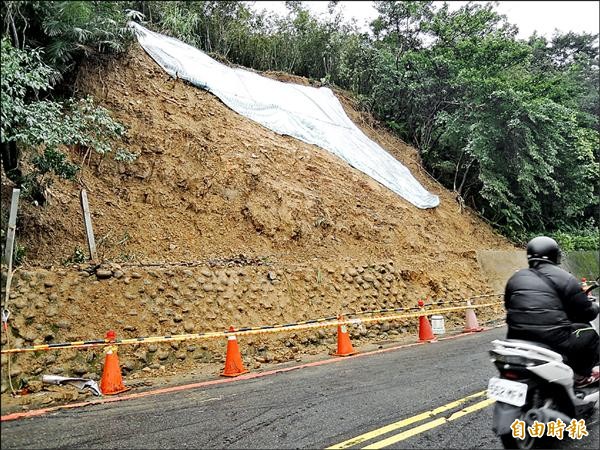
(211,184)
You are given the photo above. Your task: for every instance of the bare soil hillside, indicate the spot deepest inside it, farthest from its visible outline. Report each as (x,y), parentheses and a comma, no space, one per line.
(210,183)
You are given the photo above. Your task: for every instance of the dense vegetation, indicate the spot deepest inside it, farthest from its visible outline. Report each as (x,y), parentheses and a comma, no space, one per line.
(510,125)
(40,45)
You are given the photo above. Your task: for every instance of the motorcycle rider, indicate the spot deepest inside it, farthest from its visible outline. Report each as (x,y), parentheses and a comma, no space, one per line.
(546,304)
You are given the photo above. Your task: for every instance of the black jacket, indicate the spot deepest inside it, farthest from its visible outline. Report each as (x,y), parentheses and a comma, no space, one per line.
(542,302)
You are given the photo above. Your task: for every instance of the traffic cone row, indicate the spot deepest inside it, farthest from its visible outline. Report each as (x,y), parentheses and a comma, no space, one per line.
(233,359)
(426,333)
(112,381)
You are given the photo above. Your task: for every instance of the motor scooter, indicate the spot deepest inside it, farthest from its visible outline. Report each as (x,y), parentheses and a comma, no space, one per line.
(535,384)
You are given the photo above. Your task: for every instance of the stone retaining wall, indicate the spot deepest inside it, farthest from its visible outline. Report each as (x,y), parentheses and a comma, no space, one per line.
(83,302)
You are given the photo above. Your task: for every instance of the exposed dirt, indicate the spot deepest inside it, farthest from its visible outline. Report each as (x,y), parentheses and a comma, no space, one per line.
(210,183)
(284,230)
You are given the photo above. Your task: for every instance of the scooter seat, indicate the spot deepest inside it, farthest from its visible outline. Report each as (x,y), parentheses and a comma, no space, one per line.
(527,347)
(537,344)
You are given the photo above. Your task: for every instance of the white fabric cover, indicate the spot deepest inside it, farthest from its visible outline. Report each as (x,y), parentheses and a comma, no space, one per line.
(313,115)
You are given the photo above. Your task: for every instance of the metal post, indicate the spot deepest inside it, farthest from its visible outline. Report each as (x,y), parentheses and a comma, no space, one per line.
(87,219)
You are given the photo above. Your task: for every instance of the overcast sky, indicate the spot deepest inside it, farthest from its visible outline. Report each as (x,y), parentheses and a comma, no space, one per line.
(543,16)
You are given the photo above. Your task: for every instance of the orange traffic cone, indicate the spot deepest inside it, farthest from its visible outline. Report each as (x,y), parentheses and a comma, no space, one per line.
(233,360)
(425,331)
(471,323)
(344,346)
(112,381)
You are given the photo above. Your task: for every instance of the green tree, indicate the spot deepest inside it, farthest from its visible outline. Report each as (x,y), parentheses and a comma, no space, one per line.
(67,30)
(510,138)
(34,129)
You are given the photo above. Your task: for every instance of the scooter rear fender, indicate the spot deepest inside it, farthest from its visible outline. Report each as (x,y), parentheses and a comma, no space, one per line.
(504,416)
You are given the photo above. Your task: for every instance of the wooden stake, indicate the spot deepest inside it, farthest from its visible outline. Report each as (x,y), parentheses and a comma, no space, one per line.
(12,227)
(87,220)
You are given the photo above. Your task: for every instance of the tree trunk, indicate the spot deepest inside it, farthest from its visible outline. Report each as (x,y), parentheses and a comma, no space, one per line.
(10,162)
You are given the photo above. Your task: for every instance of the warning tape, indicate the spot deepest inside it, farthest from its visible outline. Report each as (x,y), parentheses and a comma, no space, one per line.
(485,295)
(296,326)
(102,342)
(433,303)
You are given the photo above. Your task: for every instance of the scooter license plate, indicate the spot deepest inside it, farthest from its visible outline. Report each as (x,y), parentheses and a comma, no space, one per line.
(507,391)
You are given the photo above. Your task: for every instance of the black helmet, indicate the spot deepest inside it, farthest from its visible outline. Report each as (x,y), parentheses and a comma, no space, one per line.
(543,248)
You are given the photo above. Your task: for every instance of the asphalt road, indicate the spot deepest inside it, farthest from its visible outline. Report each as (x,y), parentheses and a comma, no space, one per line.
(312,407)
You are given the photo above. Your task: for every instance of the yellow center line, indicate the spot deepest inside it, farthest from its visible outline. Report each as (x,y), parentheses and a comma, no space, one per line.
(408,433)
(404,422)
(429,425)
(470,409)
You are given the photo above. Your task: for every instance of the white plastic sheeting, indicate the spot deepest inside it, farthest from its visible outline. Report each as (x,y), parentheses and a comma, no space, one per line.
(313,115)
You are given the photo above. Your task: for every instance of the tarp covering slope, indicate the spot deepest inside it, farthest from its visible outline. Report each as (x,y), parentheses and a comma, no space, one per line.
(313,115)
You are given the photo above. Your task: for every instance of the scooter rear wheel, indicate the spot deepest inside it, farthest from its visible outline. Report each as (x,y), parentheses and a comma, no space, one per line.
(508,441)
